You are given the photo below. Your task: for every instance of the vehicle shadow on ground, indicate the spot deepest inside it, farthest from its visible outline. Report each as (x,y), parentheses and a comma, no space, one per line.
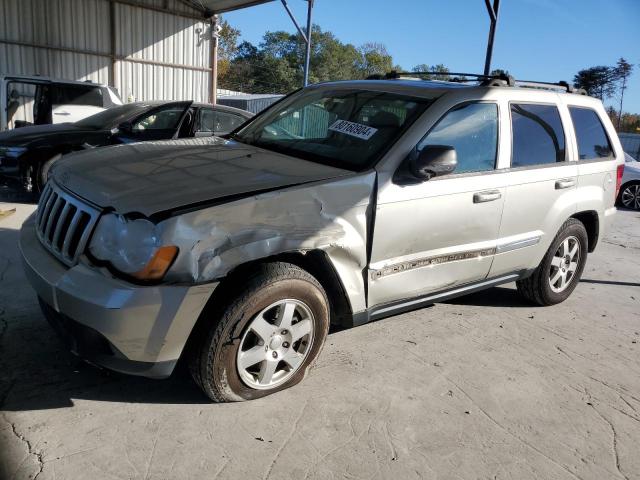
(55,378)
(610,282)
(492,297)
(38,373)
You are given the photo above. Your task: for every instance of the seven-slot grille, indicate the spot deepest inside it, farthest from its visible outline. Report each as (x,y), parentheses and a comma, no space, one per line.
(64,223)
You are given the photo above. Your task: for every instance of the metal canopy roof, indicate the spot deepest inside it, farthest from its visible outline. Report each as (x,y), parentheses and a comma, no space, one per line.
(221,6)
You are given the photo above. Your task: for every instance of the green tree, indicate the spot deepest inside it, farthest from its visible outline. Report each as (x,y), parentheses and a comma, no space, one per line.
(436,72)
(275,65)
(227,46)
(374,59)
(600,81)
(623,70)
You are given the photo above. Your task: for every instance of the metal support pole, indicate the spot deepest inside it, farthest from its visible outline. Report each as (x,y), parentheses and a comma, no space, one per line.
(307,57)
(493,16)
(306,35)
(112,43)
(213,92)
(293,19)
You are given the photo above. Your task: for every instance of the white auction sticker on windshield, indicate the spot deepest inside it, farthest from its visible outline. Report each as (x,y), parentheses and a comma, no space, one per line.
(357,130)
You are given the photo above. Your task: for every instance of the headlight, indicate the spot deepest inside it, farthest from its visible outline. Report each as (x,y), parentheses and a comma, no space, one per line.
(132,247)
(12,152)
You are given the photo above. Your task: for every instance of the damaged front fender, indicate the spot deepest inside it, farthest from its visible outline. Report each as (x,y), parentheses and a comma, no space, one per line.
(331,216)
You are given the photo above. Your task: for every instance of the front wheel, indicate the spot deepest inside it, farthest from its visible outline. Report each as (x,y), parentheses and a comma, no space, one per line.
(561,268)
(266,338)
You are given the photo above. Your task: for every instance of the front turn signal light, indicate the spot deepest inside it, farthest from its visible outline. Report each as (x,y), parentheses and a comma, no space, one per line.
(158,265)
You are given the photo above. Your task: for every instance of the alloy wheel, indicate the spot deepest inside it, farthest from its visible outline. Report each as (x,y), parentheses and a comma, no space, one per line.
(275,344)
(630,197)
(564,264)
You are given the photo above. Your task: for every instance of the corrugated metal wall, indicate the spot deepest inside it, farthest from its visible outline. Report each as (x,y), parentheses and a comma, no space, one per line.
(157,55)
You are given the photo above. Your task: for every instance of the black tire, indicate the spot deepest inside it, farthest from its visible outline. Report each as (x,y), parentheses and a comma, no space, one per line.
(634,191)
(212,361)
(536,288)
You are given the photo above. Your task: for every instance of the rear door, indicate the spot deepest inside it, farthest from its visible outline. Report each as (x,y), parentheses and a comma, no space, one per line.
(596,162)
(542,183)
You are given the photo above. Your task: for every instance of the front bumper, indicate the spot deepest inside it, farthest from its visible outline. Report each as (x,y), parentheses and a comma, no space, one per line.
(9,167)
(133,329)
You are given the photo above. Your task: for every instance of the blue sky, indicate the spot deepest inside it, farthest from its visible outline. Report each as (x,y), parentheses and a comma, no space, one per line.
(546,40)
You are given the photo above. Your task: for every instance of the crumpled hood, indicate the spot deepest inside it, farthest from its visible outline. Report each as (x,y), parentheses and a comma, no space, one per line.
(154,177)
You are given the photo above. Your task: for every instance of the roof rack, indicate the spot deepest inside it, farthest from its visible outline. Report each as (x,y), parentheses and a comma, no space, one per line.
(561,85)
(486,80)
(500,80)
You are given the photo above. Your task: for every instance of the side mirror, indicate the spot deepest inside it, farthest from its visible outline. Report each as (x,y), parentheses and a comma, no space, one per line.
(125,127)
(434,161)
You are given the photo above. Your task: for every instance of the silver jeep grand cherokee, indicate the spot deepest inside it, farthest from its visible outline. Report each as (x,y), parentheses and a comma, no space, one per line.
(344,202)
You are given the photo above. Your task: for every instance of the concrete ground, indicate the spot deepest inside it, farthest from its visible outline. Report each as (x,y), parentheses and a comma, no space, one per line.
(483,387)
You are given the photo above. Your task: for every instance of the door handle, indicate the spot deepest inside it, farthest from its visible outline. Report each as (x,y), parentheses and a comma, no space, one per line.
(565,183)
(488,196)
(61,113)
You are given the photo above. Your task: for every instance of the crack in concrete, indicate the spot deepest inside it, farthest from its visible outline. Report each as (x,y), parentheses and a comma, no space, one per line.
(286,440)
(620,244)
(512,434)
(37,454)
(614,434)
(614,443)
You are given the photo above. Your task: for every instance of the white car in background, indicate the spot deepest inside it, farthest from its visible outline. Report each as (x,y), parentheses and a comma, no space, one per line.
(35,100)
(629,196)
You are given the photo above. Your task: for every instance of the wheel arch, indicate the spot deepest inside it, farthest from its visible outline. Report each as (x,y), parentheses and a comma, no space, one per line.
(316,262)
(591,222)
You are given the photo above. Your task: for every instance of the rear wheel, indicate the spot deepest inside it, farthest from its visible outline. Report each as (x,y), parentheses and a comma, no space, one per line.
(629,196)
(266,338)
(561,268)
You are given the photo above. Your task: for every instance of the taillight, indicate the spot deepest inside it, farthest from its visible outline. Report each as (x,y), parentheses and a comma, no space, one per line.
(619,174)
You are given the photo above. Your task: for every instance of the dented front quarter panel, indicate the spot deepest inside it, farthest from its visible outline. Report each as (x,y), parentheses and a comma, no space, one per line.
(331,216)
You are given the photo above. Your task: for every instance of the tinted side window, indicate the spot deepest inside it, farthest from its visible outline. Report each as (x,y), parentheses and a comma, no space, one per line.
(218,122)
(160,120)
(227,122)
(472,130)
(77,95)
(207,120)
(592,138)
(538,136)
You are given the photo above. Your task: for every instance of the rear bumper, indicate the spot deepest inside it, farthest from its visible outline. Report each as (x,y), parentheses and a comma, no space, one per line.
(139,330)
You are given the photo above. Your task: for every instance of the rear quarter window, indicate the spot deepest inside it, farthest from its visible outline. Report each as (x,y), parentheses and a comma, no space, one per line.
(593,142)
(538,136)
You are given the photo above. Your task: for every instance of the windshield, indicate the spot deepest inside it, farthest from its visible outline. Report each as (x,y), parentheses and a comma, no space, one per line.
(348,129)
(111,117)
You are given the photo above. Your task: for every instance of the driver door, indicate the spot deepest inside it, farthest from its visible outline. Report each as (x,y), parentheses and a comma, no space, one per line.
(160,123)
(435,235)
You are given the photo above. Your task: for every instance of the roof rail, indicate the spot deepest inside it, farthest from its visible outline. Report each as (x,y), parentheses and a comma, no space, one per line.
(500,80)
(488,80)
(561,85)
